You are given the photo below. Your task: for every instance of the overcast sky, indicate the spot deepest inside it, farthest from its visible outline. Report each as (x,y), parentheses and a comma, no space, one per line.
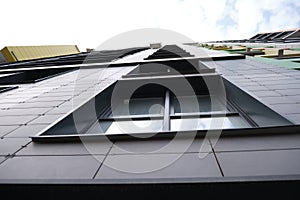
(88,23)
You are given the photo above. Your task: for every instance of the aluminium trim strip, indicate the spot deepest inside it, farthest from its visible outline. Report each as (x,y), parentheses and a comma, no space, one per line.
(255,131)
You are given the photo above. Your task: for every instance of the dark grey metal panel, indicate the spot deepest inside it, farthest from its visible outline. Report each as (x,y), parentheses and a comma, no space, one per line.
(45,119)
(50,167)
(7,129)
(37,105)
(59,110)
(188,165)
(26,131)
(279,100)
(49,99)
(23,112)
(9,146)
(5,100)
(258,142)
(260,163)
(266,93)
(55,95)
(156,146)
(16,120)
(295,98)
(279,82)
(261,114)
(291,108)
(72,148)
(294,117)
(32,76)
(282,83)
(245,84)
(255,88)
(20,96)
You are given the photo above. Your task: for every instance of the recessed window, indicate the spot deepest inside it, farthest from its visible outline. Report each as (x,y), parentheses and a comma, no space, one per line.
(166,113)
(163,112)
(153,108)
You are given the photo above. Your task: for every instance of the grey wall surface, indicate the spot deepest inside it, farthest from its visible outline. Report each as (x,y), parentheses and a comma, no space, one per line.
(31,108)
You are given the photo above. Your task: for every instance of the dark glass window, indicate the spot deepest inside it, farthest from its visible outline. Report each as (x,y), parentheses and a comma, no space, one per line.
(139,106)
(203,103)
(126,127)
(167,113)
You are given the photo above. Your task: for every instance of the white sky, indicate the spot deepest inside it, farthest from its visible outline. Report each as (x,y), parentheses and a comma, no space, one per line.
(88,23)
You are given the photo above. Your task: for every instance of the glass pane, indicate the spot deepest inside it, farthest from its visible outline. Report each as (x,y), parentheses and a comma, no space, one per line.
(208,123)
(139,106)
(119,127)
(203,103)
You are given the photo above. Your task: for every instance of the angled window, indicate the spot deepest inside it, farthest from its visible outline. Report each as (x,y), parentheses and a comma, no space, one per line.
(154,107)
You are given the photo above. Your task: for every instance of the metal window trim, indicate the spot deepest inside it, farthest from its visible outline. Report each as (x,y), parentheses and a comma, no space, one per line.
(145,74)
(243,114)
(252,131)
(166,120)
(132,117)
(265,104)
(170,76)
(203,114)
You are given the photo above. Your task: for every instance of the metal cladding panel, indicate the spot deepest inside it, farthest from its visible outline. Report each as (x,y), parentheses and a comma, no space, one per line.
(234,162)
(19,53)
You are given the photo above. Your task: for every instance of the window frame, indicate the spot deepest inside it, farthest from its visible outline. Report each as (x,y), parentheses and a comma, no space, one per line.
(168,115)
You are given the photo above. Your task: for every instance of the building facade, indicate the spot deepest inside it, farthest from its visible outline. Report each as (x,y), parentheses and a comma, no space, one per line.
(179,118)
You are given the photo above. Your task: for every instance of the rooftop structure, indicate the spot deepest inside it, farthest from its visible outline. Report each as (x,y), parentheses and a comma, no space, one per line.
(21,53)
(282,36)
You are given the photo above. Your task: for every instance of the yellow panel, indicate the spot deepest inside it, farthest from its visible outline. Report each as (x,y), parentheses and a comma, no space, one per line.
(7,55)
(19,53)
(35,52)
(16,53)
(25,55)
